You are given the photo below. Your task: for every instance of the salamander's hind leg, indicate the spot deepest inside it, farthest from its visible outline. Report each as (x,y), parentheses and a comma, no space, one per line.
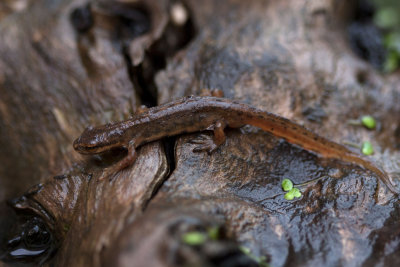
(128,160)
(205,143)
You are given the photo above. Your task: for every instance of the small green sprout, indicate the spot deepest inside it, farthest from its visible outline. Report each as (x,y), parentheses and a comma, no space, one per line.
(296,192)
(245,250)
(194,238)
(368,121)
(392,61)
(293,193)
(367,148)
(287,185)
(386,17)
(262,260)
(289,195)
(213,232)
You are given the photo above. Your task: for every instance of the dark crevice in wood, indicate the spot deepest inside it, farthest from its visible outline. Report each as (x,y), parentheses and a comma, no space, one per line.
(169,147)
(142,76)
(137,79)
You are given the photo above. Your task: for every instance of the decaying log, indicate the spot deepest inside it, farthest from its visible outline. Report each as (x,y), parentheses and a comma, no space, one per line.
(65,65)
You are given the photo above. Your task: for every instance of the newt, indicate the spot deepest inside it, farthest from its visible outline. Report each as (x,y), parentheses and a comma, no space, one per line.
(205,113)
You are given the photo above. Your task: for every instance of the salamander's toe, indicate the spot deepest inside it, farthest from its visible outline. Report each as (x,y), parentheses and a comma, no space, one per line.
(205,143)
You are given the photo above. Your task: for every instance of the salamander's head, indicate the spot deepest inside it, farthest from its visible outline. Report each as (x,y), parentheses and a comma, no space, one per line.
(96,140)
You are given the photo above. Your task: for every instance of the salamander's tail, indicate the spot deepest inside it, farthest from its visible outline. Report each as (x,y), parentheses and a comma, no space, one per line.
(383,176)
(389,184)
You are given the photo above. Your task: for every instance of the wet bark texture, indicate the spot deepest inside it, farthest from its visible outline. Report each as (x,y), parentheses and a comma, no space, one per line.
(66,64)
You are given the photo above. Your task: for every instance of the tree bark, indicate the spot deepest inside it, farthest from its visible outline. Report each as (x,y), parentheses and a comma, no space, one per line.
(65,65)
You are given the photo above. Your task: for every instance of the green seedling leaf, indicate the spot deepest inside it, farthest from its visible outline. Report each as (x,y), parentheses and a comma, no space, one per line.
(386,17)
(296,192)
(367,148)
(262,260)
(289,195)
(245,250)
(213,233)
(287,185)
(368,121)
(194,238)
(391,62)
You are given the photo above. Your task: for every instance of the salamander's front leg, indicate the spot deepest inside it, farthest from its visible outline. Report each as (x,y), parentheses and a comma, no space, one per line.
(122,164)
(207,144)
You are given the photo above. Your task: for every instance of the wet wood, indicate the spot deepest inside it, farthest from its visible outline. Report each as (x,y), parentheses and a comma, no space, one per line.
(72,64)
